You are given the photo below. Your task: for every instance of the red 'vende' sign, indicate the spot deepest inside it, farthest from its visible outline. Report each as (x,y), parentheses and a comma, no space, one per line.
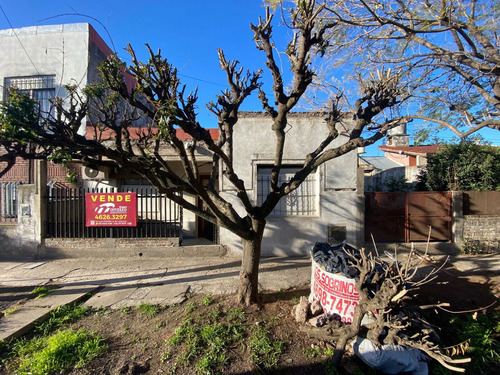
(111,209)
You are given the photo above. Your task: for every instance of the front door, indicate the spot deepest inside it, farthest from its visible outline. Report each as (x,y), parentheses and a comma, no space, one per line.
(206,229)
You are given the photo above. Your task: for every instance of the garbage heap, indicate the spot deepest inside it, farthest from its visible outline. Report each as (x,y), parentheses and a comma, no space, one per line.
(333,300)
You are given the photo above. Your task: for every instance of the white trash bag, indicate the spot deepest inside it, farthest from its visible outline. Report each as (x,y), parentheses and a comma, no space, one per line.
(391,359)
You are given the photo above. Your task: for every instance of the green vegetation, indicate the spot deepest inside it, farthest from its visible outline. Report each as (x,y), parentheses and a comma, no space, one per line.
(12,310)
(61,316)
(56,353)
(208,299)
(483,332)
(50,352)
(475,247)
(463,166)
(265,351)
(191,306)
(148,309)
(204,342)
(42,291)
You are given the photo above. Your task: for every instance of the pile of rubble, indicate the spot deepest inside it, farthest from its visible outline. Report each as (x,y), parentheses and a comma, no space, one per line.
(383,330)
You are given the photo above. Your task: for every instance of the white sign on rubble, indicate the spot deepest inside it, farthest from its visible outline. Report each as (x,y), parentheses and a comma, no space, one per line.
(336,293)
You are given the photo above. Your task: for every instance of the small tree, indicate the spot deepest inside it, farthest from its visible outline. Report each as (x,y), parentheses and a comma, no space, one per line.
(463,166)
(159,99)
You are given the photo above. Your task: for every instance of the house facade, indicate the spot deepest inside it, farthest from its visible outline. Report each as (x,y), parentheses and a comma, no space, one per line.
(328,206)
(41,61)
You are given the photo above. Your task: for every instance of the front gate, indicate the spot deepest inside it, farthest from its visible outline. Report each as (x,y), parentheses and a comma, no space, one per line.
(157,216)
(406,217)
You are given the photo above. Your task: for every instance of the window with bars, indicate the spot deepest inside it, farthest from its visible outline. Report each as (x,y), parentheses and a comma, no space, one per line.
(39,88)
(8,201)
(301,202)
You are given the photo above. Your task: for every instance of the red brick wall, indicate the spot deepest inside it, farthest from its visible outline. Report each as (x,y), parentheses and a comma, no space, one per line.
(19,172)
(55,173)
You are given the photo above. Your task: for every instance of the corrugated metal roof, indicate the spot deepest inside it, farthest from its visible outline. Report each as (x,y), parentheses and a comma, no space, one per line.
(380,162)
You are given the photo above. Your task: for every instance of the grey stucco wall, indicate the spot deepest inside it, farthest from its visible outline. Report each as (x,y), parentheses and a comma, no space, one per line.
(65,51)
(22,240)
(340,200)
(62,50)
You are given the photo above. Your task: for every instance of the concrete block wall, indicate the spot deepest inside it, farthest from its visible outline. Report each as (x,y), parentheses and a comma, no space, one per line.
(482,230)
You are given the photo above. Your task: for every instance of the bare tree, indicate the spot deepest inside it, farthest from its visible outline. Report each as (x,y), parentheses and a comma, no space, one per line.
(159,99)
(448,49)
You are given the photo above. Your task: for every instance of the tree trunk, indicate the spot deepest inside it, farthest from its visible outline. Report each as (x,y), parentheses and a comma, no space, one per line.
(249,274)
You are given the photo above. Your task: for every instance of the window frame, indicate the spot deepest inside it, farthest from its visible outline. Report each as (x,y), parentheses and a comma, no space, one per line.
(33,86)
(290,205)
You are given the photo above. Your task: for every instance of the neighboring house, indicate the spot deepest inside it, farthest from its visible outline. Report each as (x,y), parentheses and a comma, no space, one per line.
(400,161)
(193,226)
(328,206)
(410,156)
(40,61)
(378,170)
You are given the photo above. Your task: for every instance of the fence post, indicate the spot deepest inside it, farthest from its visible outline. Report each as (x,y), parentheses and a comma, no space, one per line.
(41,203)
(457,217)
(360,208)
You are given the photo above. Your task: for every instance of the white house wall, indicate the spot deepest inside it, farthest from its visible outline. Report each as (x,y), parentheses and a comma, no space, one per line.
(339,203)
(60,50)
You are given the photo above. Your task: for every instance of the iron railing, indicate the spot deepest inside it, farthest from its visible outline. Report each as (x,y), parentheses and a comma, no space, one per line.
(157,216)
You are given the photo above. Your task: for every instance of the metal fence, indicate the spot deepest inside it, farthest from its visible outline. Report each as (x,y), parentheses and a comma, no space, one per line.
(157,216)
(482,203)
(8,202)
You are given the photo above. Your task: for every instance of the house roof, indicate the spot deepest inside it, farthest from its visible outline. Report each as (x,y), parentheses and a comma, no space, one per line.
(136,131)
(412,150)
(380,162)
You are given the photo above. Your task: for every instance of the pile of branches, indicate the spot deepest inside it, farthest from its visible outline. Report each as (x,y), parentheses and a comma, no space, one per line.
(386,286)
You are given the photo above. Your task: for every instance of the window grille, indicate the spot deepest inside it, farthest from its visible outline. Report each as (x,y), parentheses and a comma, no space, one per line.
(300,202)
(8,201)
(39,88)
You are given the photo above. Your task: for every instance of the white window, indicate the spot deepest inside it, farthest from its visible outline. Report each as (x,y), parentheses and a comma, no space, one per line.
(38,88)
(301,202)
(8,200)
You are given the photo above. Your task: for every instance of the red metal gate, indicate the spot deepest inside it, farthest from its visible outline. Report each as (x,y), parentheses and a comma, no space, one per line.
(406,217)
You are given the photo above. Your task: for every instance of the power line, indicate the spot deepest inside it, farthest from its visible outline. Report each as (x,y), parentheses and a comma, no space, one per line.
(201,80)
(19,40)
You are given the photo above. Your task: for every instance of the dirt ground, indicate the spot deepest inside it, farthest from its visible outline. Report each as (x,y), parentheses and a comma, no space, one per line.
(138,343)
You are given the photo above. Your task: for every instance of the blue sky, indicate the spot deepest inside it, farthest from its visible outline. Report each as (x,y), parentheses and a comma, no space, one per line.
(187,32)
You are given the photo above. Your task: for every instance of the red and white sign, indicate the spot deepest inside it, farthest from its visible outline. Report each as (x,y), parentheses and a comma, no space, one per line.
(336,293)
(111,209)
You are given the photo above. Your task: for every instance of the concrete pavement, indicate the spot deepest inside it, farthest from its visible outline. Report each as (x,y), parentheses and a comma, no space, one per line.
(117,283)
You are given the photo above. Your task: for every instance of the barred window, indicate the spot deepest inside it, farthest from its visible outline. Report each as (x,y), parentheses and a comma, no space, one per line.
(39,88)
(301,202)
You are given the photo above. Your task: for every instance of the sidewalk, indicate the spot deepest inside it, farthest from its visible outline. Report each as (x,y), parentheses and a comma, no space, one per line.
(117,283)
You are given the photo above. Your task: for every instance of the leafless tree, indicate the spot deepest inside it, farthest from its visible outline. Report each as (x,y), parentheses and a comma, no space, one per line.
(448,49)
(159,99)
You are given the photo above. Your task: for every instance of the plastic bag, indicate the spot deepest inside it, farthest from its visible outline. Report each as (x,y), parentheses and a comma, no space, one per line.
(391,359)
